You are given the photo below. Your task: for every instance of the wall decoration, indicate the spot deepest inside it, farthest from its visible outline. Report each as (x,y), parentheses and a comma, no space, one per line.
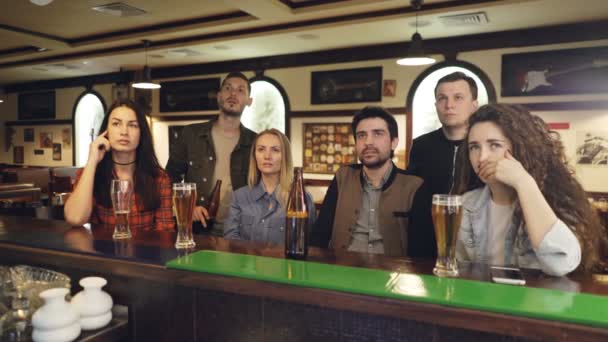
(343,86)
(18,154)
(389,88)
(46,140)
(557,72)
(189,95)
(592,148)
(38,152)
(56,151)
(120,91)
(66,137)
(9,133)
(327,146)
(28,135)
(34,106)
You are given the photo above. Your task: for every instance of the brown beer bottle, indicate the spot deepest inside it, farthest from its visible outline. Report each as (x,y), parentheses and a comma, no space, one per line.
(213,203)
(296,225)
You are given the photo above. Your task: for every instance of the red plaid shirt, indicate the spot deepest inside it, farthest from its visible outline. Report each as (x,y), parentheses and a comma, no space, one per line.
(139,219)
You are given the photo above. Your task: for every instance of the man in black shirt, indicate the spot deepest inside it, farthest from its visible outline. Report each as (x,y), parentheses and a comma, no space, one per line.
(433,155)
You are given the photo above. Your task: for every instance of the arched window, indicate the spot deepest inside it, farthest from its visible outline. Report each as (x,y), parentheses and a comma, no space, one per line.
(270,103)
(421,98)
(88,114)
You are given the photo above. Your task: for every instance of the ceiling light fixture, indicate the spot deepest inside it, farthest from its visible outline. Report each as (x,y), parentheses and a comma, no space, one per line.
(415,53)
(41,2)
(146,80)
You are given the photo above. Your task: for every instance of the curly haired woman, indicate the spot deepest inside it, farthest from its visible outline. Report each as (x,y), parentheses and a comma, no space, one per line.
(526,208)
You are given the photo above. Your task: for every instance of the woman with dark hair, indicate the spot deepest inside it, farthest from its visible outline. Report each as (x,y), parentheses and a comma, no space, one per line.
(526,208)
(123,151)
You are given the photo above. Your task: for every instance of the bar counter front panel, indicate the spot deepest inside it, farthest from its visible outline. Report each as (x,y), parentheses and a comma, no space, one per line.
(179,305)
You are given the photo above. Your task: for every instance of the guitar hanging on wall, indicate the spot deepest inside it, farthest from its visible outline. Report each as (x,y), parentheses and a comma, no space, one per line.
(540,78)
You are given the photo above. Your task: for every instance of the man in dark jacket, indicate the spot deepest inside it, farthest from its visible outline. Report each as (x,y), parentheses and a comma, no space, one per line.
(371,207)
(433,155)
(216,150)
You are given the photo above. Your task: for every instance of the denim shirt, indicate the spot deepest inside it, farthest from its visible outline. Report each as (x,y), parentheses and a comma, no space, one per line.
(559,252)
(257,215)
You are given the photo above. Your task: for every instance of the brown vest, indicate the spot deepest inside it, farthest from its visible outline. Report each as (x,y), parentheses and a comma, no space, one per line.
(395,202)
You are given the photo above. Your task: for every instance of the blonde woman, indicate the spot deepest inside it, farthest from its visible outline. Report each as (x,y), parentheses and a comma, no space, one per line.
(257,211)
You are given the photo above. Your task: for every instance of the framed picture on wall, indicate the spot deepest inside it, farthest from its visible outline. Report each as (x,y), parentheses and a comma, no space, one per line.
(189,95)
(56,151)
(28,135)
(36,106)
(46,140)
(557,72)
(327,146)
(18,154)
(344,86)
(592,148)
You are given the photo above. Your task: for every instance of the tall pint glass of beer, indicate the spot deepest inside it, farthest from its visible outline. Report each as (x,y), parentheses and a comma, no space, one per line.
(447,214)
(121,191)
(184,199)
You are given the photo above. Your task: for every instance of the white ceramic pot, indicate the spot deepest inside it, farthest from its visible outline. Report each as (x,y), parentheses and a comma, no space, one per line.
(93,305)
(65,334)
(56,320)
(95,322)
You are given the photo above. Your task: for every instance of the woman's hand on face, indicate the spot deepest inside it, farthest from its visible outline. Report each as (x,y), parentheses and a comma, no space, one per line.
(99,147)
(510,171)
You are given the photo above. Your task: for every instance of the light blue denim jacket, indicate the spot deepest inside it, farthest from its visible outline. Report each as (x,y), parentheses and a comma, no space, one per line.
(559,252)
(250,219)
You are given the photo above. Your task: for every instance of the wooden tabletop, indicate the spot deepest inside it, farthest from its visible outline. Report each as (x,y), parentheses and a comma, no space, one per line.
(157,248)
(136,269)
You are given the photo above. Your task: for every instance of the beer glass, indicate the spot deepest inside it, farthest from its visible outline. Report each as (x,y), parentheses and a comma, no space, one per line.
(184,200)
(121,192)
(447,215)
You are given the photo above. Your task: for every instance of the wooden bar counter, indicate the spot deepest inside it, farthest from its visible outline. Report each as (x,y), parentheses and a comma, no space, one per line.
(174,305)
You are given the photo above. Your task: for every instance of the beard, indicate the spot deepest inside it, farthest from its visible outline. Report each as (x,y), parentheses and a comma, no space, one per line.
(230,112)
(378,162)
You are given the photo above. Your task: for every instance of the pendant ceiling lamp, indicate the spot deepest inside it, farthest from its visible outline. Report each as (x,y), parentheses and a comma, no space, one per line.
(415,53)
(146,81)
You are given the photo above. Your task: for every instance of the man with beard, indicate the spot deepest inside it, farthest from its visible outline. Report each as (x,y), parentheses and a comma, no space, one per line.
(216,150)
(371,207)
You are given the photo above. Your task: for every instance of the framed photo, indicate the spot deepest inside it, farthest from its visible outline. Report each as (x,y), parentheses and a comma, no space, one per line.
(344,86)
(28,135)
(66,136)
(558,72)
(56,151)
(18,154)
(327,146)
(39,152)
(36,106)
(120,91)
(46,140)
(389,88)
(592,148)
(189,95)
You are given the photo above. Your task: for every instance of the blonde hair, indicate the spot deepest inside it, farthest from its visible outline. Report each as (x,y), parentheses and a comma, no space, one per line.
(286,174)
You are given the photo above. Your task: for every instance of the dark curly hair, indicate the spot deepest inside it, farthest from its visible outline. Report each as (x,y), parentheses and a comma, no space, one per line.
(541,153)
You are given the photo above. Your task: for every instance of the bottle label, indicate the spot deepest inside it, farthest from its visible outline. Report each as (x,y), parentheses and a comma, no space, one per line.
(297,214)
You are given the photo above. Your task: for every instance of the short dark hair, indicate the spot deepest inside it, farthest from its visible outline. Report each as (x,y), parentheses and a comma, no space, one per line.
(237,74)
(376,112)
(459,76)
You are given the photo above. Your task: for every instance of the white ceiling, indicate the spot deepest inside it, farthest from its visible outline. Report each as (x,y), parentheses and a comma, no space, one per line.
(81,41)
